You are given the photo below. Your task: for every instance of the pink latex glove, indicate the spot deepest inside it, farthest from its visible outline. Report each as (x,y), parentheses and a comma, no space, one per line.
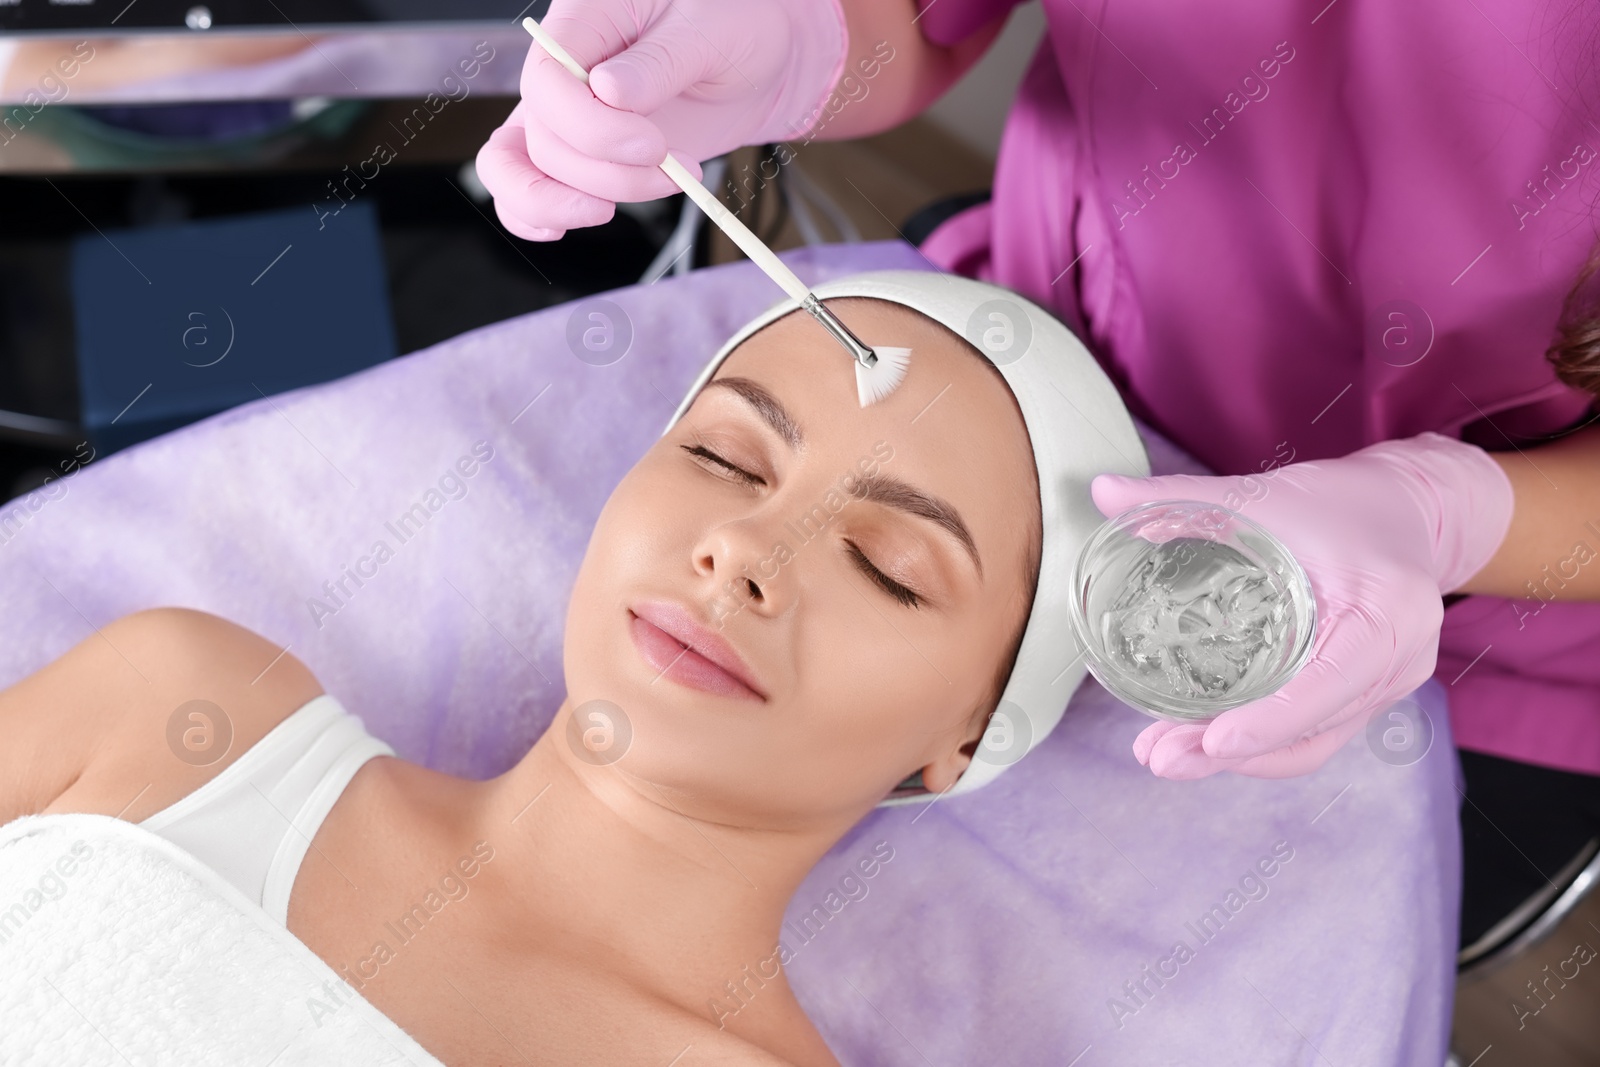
(711,75)
(1382,533)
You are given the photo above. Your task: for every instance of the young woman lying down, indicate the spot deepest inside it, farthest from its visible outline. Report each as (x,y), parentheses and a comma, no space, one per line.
(791,610)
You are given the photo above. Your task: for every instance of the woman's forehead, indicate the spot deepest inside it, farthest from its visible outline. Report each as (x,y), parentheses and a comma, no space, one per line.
(953,425)
(949,386)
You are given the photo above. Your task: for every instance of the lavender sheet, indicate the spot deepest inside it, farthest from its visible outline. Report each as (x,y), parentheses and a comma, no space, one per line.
(1029,923)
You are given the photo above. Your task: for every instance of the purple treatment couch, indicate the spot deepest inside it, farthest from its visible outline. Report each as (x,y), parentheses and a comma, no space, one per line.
(1037,921)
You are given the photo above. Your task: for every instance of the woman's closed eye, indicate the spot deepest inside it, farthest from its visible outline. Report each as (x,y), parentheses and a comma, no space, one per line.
(721,467)
(905,596)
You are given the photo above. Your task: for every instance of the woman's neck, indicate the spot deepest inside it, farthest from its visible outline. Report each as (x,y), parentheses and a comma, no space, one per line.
(598,857)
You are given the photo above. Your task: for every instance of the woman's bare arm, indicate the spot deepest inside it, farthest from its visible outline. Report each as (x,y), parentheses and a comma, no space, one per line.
(1552,550)
(89,731)
(916,75)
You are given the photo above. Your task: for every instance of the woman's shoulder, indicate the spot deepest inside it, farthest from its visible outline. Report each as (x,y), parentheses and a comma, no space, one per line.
(165,700)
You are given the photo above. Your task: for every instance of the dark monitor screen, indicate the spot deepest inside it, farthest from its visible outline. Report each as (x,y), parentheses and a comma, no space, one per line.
(55,16)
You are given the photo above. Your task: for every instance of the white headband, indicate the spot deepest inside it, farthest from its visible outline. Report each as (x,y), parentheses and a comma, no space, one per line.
(1079,428)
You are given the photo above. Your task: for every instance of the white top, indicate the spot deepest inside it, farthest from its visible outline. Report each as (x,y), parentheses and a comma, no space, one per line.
(253,823)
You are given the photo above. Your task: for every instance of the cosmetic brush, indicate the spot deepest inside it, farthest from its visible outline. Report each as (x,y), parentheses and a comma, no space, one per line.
(878,371)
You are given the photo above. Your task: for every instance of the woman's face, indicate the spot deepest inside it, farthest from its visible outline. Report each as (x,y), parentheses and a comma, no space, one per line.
(795,601)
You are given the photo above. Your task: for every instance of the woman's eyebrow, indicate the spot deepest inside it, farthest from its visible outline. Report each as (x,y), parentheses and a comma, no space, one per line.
(892,492)
(773,413)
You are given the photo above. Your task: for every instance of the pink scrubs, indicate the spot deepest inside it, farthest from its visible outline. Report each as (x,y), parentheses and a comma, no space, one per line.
(1290,230)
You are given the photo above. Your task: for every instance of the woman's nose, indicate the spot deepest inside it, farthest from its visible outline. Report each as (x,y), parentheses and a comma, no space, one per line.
(742,562)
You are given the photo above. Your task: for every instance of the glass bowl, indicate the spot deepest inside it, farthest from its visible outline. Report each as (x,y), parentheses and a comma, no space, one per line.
(1186,609)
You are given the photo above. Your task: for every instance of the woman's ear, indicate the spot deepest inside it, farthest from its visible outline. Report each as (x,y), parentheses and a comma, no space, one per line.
(942,773)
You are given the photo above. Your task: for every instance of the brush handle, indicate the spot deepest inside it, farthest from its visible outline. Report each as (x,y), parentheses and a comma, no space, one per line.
(738,232)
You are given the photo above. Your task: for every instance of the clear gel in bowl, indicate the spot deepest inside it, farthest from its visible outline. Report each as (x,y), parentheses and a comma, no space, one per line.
(1186,609)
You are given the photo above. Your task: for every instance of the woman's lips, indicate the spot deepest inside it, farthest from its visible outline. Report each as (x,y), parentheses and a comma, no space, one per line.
(682,664)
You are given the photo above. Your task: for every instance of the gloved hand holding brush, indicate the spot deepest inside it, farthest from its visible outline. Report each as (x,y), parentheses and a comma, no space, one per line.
(711,75)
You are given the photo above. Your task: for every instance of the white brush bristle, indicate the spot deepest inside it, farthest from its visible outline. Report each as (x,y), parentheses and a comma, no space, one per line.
(885,377)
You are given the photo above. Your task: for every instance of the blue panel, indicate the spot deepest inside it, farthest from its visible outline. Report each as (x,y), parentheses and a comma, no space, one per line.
(184,321)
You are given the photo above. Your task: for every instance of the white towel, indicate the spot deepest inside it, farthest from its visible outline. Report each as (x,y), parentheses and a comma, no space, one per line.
(117,947)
